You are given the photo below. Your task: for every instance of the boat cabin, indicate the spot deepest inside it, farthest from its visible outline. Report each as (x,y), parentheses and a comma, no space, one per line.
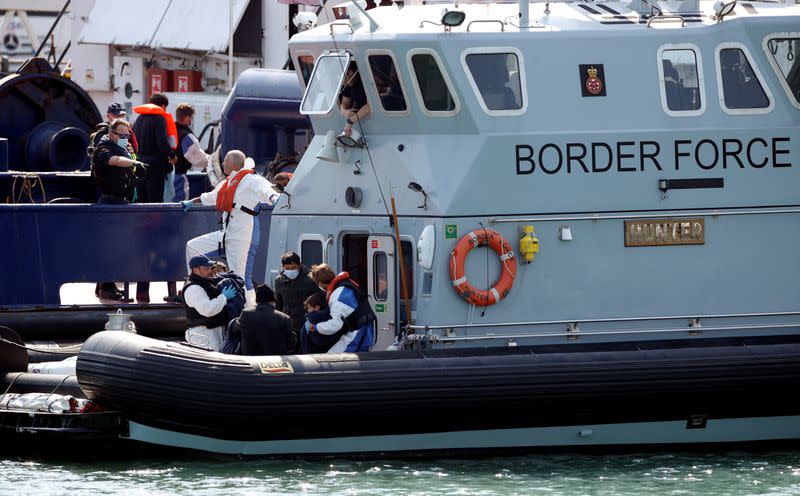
(626,170)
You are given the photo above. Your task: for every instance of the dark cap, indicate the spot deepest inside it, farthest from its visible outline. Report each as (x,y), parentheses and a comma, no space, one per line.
(264,294)
(200,261)
(116,108)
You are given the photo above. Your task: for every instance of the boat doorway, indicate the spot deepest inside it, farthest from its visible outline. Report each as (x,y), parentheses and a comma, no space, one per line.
(370,260)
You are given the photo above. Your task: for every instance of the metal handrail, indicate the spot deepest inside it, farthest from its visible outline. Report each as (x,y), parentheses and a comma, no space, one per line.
(341,23)
(662,17)
(502,24)
(575,334)
(696,213)
(619,319)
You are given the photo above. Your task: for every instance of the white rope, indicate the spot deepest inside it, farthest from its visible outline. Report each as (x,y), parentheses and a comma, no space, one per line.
(505,260)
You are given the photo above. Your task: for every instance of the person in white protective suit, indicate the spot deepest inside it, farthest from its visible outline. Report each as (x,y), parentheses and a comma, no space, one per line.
(237,198)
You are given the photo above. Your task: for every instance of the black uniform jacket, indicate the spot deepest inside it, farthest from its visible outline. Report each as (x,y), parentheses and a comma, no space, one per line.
(266,331)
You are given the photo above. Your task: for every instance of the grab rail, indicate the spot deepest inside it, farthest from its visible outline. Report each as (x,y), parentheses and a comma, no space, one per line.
(617,319)
(660,18)
(502,24)
(695,213)
(341,23)
(576,333)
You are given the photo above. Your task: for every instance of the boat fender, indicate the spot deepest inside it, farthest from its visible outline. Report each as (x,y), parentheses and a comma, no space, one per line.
(458,257)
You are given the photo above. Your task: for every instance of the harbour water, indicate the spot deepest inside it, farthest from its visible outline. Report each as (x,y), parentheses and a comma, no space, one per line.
(719,473)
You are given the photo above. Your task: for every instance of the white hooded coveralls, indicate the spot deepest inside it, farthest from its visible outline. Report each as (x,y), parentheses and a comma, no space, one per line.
(240,229)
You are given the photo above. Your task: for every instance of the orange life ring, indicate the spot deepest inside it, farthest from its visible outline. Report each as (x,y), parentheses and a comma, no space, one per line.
(458,256)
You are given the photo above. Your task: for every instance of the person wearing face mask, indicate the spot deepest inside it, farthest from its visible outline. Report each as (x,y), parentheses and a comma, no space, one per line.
(292,287)
(114,172)
(112,165)
(238,198)
(190,155)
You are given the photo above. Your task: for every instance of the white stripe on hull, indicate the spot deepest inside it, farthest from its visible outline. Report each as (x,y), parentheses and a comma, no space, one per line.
(673,432)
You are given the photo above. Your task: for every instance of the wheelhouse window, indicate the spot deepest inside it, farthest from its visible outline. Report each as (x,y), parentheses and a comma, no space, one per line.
(497,80)
(432,85)
(387,82)
(305,64)
(311,252)
(741,88)
(323,89)
(680,81)
(784,54)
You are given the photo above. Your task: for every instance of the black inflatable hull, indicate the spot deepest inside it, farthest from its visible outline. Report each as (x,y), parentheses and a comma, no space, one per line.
(181,389)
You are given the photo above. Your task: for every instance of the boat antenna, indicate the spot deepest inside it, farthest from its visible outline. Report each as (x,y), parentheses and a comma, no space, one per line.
(373,24)
(403,281)
(524,14)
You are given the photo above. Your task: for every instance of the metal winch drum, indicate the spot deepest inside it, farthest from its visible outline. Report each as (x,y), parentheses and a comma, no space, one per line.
(46,118)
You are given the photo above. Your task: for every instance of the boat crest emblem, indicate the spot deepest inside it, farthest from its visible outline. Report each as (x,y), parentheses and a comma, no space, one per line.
(340,13)
(592,78)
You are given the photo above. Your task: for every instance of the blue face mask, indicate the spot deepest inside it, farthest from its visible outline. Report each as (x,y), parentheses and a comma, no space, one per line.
(122,142)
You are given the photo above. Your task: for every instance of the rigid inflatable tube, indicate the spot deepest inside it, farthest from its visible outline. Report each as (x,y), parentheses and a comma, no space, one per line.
(178,388)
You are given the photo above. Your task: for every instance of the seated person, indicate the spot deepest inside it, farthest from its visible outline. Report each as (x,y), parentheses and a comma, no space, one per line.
(317,311)
(264,330)
(353,99)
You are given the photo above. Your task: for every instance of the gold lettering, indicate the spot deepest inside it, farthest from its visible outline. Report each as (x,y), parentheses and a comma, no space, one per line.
(685,231)
(697,230)
(649,233)
(664,232)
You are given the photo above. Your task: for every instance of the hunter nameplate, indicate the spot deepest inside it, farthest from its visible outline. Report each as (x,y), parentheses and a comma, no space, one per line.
(665,232)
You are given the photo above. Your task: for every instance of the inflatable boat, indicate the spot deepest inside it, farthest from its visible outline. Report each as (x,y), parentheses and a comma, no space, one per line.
(724,390)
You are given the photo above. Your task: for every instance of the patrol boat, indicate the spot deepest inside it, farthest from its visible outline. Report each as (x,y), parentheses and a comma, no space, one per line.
(628,171)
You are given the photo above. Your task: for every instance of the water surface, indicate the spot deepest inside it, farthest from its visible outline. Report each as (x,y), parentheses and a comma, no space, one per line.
(718,473)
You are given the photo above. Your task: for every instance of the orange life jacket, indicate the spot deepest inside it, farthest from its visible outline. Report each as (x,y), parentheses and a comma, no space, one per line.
(153,109)
(342,276)
(228,189)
